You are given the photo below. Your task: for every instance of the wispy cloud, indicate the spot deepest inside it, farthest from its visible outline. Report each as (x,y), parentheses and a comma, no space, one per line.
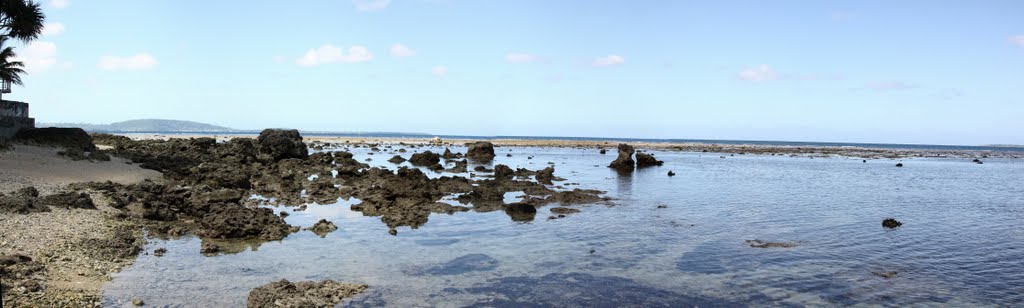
(760,73)
(329,54)
(401,51)
(59,4)
(608,61)
(141,61)
(53,28)
(371,5)
(38,56)
(439,70)
(520,58)
(1017,40)
(888,86)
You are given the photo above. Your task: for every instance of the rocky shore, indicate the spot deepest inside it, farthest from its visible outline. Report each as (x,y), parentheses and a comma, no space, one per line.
(737,149)
(205,191)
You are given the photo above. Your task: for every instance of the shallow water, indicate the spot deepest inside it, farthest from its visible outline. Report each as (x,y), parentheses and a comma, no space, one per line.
(960,243)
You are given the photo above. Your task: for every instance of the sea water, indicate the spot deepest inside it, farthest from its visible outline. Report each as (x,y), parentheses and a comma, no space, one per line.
(666,241)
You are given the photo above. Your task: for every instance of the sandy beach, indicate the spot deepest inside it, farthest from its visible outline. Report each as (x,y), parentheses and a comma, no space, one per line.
(73,248)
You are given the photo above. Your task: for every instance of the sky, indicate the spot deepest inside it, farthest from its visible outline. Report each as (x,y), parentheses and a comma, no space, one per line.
(929,72)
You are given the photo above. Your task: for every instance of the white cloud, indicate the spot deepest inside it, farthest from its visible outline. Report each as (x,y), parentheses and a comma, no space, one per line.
(38,56)
(53,28)
(59,4)
(140,61)
(371,5)
(439,70)
(401,51)
(1017,40)
(758,74)
(608,60)
(330,54)
(888,86)
(520,58)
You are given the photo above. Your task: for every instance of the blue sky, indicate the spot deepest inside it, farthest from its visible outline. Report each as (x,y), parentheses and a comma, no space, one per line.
(947,72)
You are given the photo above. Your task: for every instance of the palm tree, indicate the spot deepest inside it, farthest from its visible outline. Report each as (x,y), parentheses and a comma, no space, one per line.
(21,19)
(10,71)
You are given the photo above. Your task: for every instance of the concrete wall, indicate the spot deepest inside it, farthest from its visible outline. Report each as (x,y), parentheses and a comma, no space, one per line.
(13,109)
(14,117)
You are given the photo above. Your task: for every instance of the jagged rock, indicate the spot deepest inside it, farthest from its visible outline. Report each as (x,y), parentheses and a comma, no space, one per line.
(546,175)
(647,160)
(326,293)
(502,172)
(323,227)
(891,223)
(397,159)
(480,150)
(279,144)
(427,158)
(449,155)
(625,160)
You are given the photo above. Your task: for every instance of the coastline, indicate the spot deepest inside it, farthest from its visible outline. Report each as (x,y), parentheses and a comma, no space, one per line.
(865,152)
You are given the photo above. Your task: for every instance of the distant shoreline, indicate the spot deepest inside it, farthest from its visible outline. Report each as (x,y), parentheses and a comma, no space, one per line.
(810,149)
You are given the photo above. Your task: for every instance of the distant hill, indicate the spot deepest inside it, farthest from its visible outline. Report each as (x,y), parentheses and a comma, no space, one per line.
(146,125)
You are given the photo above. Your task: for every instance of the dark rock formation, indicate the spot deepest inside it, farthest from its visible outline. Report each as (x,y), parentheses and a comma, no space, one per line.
(546,175)
(427,158)
(625,160)
(670,173)
(502,172)
(397,159)
(480,150)
(891,223)
(279,144)
(67,138)
(647,160)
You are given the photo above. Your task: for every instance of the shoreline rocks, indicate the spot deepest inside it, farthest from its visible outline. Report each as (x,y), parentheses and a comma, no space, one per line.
(284,293)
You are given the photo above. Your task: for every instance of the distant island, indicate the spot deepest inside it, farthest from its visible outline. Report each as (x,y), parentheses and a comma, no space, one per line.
(179,126)
(147,126)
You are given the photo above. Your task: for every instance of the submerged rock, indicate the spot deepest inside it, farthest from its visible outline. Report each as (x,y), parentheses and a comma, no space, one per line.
(891,223)
(564,210)
(521,211)
(647,160)
(326,293)
(480,150)
(468,263)
(899,164)
(885,274)
(625,160)
(670,173)
(763,244)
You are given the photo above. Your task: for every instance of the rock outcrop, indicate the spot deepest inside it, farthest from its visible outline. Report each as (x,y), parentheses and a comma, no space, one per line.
(326,293)
(480,150)
(280,144)
(644,160)
(625,160)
